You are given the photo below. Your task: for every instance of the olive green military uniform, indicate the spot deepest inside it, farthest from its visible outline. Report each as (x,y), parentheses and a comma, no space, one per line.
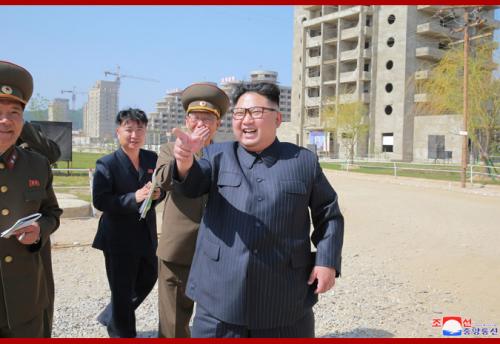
(26,188)
(33,139)
(181,220)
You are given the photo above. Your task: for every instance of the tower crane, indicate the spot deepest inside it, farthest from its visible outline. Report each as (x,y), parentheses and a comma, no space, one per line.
(119,75)
(73,92)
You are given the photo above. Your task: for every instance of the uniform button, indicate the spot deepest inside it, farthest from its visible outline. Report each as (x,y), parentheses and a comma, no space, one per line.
(8,259)
(260,199)
(255,251)
(2,165)
(4,189)
(5,212)
(259,180)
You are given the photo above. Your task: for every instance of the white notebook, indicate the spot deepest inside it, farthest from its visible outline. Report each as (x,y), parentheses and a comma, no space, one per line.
(21,223)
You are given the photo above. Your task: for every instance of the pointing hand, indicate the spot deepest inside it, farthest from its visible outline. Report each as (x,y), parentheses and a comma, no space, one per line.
(186,145)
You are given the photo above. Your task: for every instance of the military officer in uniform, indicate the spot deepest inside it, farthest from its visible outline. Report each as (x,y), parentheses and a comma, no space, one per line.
(26,188)
(204,104)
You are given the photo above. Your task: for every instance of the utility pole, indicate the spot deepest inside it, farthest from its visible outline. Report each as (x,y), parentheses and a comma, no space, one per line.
(477,20)
(465,143)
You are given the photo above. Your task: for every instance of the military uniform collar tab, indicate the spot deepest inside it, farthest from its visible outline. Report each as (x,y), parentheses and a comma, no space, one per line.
(9,157)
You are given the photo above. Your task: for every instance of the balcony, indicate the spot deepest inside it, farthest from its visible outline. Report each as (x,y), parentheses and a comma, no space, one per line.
(330,81)
(348,76)
(349,55)
(421,98)
(350,34)
(433,29)
(330,61)
(313,41)
(422,74)
(353,33)
(428,53)
(312,102)
(350,13)
(313,61)
(312,81)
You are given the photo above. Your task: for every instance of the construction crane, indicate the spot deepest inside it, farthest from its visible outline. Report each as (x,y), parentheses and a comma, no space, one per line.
(73,92)
(119,75)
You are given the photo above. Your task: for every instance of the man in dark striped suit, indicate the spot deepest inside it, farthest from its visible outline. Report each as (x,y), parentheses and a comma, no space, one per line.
(253,273)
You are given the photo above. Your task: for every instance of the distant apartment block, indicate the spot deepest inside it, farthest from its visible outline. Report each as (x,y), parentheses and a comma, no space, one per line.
(58,110)
(168,115)
(101,109)
(374,54)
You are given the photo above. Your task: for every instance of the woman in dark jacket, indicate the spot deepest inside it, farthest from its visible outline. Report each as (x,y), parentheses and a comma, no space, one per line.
(122,182)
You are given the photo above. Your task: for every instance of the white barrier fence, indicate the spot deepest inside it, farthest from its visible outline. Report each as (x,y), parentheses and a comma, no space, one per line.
(472,170)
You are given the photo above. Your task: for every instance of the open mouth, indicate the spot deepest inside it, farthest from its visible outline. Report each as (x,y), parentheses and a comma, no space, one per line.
(249,131)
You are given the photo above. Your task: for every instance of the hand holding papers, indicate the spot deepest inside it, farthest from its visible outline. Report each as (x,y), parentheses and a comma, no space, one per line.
(21,223)
(146,204)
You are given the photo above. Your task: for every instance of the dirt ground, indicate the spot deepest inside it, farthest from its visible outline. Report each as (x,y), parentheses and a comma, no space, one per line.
(435,246)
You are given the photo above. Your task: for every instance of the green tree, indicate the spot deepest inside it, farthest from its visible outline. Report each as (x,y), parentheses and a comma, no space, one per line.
(38,106)
(349,121)
(444,89)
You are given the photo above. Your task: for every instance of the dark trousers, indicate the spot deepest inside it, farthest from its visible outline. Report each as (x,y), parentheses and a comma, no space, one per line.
(131,278)
(30,329)
(206,325)
(174,307)
(46,255)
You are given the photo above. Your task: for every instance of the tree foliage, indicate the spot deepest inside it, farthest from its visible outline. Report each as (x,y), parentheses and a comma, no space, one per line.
(349,121)
(444,89)
(37,107)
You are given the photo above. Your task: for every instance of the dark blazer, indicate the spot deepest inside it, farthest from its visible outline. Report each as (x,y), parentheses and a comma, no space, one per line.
(253,252)
(181,215)
(113,191)
(26,188)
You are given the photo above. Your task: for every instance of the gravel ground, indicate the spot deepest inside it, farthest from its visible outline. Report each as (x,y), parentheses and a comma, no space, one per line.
(413,251)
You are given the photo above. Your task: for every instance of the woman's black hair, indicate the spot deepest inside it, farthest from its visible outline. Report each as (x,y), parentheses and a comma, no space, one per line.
(136,115)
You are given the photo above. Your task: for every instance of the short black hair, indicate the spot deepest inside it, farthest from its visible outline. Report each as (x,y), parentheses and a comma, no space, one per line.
(136,115)
(266,89)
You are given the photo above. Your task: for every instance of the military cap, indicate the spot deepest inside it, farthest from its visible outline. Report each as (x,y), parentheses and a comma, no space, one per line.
(205,97)
(16,83)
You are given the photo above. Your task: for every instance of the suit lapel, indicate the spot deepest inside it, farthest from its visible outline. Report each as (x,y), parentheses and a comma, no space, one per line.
(126,163)
(143,165)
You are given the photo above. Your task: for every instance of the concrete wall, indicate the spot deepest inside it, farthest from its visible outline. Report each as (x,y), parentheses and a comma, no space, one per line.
(447,125)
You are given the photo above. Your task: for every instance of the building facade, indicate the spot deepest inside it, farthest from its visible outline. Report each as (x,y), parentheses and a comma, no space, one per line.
(58,110)
(373,55)
(100,110)
(168,115)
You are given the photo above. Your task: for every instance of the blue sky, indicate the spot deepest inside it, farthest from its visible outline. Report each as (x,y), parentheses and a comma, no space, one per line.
(66,46)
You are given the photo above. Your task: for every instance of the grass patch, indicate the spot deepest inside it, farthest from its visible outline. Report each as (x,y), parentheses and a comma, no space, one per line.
(82,160)
(72,180)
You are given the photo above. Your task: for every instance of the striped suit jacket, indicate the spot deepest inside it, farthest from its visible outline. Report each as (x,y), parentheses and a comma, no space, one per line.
(253,252)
